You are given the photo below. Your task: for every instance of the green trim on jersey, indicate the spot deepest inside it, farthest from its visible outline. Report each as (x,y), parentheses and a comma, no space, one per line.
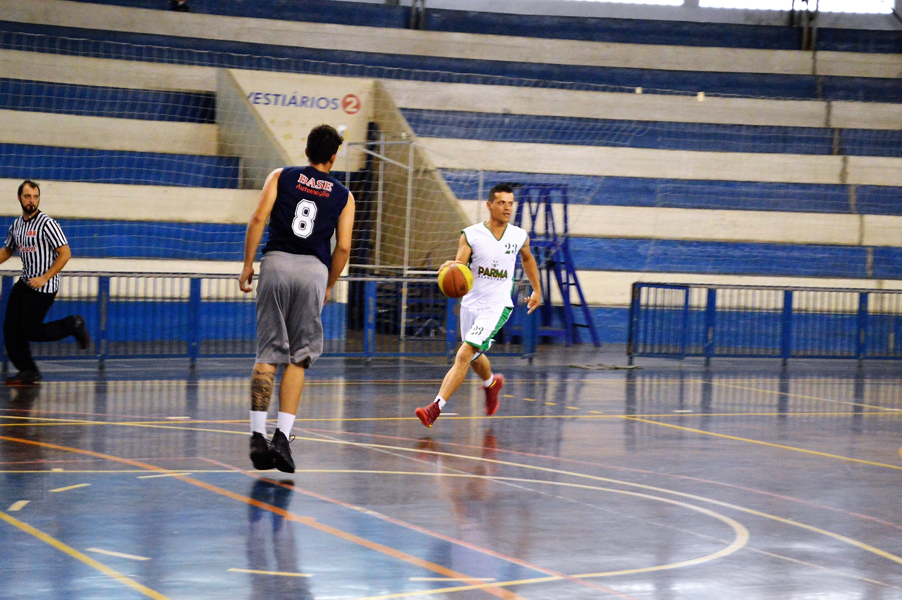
(505,315)
(497,239)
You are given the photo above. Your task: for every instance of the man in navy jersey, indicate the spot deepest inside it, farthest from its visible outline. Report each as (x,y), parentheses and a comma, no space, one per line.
(44,251)
(305,206)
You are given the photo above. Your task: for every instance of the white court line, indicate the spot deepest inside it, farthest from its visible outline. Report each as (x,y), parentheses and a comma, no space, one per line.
(278,573)
(71,487)
(164,475)
(17,505)
(117,554)
(451,579)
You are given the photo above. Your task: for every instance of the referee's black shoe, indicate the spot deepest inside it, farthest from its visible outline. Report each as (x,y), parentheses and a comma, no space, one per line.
(281,453)
(80,332)
(24,378)
(261,452)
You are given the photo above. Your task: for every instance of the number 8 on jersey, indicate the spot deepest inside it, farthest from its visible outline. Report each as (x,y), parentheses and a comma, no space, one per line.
(304,215)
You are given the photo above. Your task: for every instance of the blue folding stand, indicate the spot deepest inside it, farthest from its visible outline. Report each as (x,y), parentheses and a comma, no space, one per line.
(552,251)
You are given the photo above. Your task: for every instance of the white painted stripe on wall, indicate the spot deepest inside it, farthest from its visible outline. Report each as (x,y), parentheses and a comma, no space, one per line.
(132,135)
(719,225)
(601,288)
(422,43)
(78,200)
(613,288)
(641,162)
(82,70)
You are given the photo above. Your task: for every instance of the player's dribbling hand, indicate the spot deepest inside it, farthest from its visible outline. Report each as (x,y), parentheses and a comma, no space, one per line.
(446,263)
(246,278)
(533,302)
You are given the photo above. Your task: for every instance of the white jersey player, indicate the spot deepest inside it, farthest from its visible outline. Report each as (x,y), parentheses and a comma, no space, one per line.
(490,249)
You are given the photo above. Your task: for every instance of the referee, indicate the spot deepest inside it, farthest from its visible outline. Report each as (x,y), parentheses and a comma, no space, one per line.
(44,251)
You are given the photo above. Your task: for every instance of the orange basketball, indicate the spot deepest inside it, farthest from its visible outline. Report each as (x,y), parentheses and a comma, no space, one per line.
(455,280)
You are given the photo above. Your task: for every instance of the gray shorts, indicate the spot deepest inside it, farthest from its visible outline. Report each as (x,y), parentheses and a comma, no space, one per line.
(290,295)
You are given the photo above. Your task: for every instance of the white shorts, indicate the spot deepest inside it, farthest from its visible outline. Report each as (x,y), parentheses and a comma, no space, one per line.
(479,326)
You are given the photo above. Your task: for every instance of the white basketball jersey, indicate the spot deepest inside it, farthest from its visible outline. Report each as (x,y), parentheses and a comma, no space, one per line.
(492,263)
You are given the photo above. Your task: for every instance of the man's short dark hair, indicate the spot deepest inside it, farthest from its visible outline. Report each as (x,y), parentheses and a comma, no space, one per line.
(500,188)
(322,144)
(30,183)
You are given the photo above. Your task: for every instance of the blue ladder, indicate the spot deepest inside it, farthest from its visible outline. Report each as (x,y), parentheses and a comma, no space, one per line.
(552,251)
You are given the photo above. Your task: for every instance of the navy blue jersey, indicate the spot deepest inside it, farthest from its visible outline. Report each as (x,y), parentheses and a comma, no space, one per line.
(305,215)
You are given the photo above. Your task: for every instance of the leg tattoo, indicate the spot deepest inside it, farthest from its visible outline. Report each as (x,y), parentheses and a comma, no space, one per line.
(261,390)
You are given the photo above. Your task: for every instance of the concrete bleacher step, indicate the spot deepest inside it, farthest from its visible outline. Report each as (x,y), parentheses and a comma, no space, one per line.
(122,167)
(703,137)
(135,135)
(668,164)
(102,101)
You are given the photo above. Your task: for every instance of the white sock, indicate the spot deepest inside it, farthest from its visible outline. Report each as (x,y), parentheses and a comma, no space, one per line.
(488,382)
(441,402)
(258,421)
(285,422)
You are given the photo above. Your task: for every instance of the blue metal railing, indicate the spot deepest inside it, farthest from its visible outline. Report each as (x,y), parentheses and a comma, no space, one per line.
(676,321)
(192,316)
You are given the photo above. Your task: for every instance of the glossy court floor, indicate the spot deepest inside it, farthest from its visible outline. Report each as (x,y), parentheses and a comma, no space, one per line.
(672,481)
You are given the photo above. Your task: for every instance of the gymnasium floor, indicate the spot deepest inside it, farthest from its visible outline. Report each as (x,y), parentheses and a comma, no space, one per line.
(671,481)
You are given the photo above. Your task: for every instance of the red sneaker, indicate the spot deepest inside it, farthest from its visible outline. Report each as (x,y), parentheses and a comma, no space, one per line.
(491,394)
(428,414)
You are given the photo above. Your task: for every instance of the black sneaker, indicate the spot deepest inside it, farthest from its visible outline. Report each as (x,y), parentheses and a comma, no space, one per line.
(281,453)
(261,452)
(81,332)
(25,378)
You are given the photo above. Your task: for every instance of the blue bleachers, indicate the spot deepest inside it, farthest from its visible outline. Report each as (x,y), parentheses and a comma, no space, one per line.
(225,53)
(93,101)
(677,193)
(97,238)
(19,161)
(702,137)
(681,256)
(879,200)
(632,31)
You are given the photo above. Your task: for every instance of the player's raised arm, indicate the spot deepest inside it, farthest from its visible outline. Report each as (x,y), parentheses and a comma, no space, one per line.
(532,273)
(255,228)
(463,253)
(342,244)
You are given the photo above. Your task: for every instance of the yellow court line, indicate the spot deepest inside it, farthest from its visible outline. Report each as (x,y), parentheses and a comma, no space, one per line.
(446,416)
(769,444)
(71,487)
(802,396)
(174,474)
(275,573)
(82,557)
(18,505)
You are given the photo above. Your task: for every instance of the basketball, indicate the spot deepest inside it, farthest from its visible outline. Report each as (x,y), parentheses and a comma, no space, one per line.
(455,280)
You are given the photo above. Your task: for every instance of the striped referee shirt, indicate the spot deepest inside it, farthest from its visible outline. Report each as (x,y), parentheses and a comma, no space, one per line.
(36,241)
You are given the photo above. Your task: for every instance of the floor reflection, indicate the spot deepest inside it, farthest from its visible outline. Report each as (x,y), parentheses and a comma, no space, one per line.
(272,551)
